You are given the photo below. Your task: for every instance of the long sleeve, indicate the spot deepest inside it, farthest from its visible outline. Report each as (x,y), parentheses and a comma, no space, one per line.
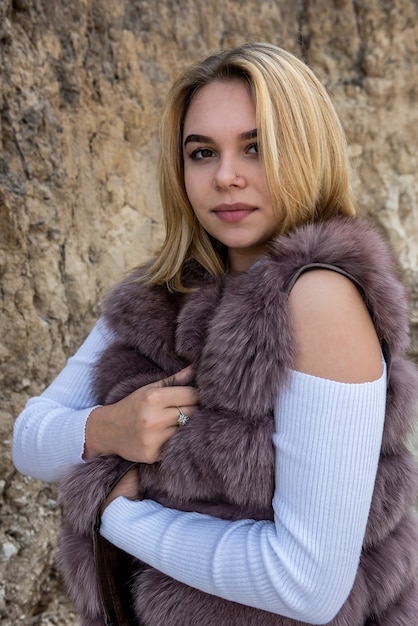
(49,433)
(327,440)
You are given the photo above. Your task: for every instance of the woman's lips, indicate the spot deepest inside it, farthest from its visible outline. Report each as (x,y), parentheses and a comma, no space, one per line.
(231,213)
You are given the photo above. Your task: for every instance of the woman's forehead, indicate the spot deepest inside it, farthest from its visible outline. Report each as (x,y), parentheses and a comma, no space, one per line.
(221,106)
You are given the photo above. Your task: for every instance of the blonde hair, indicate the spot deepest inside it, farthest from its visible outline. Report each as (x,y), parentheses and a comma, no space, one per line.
(302,147)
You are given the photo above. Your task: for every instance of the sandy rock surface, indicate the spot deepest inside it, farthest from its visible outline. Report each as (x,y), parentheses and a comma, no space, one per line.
(82,84)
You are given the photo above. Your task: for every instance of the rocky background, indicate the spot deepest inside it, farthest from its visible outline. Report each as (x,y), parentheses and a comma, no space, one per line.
(82,83)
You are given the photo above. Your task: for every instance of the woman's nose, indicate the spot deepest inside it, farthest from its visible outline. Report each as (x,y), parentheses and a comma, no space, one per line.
(227,175)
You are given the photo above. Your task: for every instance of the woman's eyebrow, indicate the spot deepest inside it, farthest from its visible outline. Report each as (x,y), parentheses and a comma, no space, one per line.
(249,134)
(197,139)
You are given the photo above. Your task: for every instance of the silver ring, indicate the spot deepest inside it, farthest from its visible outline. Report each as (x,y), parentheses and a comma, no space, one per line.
(182,418)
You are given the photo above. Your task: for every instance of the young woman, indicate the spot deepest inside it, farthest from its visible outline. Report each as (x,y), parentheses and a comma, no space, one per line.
(255,373)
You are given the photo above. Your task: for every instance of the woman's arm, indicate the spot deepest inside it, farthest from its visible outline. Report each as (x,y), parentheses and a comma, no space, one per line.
(328,437)
(302,565)
(49,433)
(62,426)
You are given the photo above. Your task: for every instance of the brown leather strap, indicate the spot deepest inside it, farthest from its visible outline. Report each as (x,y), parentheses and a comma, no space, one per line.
(321,266)
(106,558)
(113,569)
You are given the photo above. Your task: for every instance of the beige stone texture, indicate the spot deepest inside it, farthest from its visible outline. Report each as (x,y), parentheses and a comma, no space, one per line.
(82,83)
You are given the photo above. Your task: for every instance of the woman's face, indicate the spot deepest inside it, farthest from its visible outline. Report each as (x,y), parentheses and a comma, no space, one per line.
(224,178)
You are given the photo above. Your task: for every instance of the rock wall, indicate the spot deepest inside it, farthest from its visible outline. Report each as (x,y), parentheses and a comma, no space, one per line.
(82,85)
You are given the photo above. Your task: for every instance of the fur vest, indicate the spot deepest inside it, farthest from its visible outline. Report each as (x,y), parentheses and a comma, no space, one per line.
(238,333)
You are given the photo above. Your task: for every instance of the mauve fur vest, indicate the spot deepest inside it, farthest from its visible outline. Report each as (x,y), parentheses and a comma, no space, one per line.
(238,333)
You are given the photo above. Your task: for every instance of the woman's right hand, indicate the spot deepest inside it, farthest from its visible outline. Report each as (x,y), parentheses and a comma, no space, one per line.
(137,427)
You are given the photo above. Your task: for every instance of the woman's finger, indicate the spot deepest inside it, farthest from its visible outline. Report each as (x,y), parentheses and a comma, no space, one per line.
(183,414)
(182,378)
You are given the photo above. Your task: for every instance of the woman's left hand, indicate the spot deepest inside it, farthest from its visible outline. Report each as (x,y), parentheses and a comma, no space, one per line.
(128,486)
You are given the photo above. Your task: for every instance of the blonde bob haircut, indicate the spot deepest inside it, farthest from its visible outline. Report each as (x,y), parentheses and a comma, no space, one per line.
(301,144)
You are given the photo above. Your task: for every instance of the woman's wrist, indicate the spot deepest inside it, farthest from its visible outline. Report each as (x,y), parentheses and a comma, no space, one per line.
(98,438)
(127,486)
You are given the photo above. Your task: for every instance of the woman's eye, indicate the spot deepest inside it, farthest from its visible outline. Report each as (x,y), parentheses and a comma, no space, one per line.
(253,148)
(201,153)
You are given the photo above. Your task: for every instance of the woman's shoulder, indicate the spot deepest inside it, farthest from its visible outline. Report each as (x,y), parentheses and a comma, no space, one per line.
(369,271)
(334,334)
